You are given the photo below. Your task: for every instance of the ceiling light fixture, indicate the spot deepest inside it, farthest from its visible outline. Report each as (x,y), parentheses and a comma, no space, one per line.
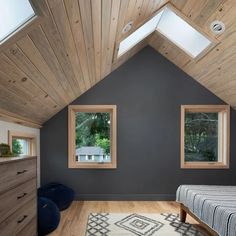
(127,27)
(217,27)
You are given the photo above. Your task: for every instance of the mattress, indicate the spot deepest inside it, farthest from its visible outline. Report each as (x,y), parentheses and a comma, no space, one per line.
(214,205)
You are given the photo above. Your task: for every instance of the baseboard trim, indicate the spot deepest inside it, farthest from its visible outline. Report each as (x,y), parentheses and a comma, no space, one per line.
(126,197)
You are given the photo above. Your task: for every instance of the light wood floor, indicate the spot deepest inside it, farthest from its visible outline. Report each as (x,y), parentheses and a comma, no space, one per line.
(73,220)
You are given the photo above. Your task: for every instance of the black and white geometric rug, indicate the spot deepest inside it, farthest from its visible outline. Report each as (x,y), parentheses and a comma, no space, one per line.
(116,224)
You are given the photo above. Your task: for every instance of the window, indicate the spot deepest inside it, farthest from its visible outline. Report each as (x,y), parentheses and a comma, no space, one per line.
(138,35)
(205,136)
(13,15)
(182,33)
(174,28)
(92,136)
(22,144)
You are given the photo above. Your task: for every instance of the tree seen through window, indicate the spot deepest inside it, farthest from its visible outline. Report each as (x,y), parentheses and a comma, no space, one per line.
(92,137)
(201,136)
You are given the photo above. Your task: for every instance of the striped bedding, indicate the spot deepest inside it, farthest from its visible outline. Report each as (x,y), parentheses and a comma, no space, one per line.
(214,205)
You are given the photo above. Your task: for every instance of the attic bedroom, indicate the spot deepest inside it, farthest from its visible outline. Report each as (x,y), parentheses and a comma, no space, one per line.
(117,117)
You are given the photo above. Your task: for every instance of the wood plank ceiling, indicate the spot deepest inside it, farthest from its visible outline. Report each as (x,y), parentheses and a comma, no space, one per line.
(73,46)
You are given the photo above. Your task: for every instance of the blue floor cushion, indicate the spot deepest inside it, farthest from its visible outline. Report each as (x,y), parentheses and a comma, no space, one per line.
(48,216)
(58,193)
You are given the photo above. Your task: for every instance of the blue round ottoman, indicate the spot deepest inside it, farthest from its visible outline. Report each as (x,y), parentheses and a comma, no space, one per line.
(48,216)
(58,193)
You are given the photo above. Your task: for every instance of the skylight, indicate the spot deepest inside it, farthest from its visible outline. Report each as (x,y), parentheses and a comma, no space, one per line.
(174,28)
(13,15)
(182,34)
(138,35)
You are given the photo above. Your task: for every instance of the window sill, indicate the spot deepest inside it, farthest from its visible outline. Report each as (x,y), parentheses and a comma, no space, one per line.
(88,165)
(206,165)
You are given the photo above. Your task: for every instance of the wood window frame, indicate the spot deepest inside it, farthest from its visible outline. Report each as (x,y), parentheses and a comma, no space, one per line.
(22,135)
(72,109)
(214,41)
(225,141)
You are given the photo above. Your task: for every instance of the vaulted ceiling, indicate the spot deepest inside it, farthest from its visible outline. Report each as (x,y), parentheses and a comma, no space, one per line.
(73,45)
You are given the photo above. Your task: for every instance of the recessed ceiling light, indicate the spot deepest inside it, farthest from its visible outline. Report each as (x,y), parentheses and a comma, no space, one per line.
(13,15)
(127,27)
(217,27)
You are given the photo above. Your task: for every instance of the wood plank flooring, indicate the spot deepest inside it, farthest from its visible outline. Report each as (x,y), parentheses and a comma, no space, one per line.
(74,220)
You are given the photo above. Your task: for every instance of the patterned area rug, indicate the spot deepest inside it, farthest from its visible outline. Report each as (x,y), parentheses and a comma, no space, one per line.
(111,224)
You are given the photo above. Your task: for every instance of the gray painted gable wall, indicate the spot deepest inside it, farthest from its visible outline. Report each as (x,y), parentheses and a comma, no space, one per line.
(148,91)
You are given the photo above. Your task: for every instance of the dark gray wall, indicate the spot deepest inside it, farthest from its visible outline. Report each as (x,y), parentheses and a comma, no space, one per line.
(148,91)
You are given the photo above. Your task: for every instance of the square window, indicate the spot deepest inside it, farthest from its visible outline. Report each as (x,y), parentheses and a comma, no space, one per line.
(204,136)
(22,144)
(13,15)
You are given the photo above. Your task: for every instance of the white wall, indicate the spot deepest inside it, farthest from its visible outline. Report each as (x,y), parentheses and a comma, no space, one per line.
(5,126)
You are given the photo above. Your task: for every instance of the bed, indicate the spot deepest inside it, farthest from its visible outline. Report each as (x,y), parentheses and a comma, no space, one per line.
(214,207)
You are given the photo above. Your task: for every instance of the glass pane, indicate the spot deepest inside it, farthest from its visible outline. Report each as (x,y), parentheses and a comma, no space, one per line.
(20,146)
(13,14)
(93,137)
(181,33)
(138,35)
(201,136)
(174,28)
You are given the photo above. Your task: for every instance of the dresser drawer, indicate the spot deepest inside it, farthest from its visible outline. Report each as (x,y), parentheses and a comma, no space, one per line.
(15,198)
(30,229)
(19,220)
(14,173)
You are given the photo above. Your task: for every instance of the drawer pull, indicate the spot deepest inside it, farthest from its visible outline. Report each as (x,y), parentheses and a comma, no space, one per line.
(21,172)
(21,196)
(22,219)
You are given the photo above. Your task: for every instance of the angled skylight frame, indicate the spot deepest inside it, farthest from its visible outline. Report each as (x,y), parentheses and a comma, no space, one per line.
(206,42)
(14,16)
(139,34)
(195,32)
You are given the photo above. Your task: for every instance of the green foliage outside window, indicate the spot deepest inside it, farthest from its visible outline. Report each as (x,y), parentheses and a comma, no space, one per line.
(103,143)
(16,147)
(93,129)
(201,136)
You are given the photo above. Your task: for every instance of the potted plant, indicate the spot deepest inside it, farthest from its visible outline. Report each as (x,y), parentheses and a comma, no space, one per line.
(5,150)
